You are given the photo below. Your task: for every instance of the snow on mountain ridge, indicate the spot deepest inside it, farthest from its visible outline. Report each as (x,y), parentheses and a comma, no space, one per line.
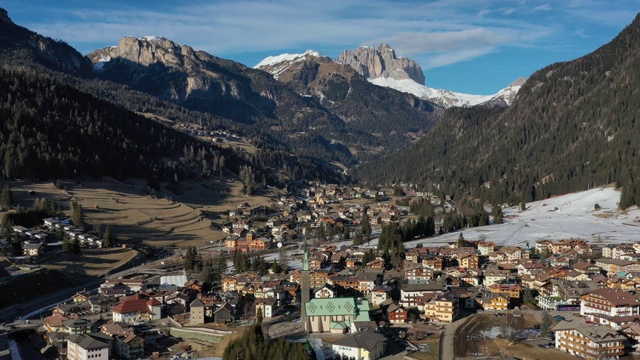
(277,59)
(443,97)
(396,78)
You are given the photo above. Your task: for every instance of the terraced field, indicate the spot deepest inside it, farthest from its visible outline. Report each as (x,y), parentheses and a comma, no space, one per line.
(176,219)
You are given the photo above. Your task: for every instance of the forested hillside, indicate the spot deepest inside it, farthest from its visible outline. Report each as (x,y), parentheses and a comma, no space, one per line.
(50,87)
(572,126)
(52,130)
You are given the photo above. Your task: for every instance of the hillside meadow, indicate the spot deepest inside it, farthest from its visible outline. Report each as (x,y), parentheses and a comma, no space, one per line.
(179,218)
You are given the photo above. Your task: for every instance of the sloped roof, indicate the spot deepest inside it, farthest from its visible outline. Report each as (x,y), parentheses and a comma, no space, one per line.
(331,306)
(196,303)
(361,340)
(617,297)
(56,320)
(226,306)
(89,341)
(76,323)
(132,306)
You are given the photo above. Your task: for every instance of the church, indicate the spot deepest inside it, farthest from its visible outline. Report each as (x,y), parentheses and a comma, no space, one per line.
(335,315)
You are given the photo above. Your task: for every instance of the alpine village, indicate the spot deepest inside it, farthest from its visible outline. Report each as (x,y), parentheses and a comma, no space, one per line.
(159,202)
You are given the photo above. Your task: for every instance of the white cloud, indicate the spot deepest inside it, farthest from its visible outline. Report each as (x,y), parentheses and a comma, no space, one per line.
(443,31)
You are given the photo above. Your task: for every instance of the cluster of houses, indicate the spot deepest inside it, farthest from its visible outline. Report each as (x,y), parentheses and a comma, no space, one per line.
(78,329)
(352,291)
(437,284)
(36,242)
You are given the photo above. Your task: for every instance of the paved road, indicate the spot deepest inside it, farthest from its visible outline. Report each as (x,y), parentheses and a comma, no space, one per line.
(447,339)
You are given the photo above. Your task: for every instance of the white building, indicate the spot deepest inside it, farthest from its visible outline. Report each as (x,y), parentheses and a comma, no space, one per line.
(362,345)
(589,342)
(88,347)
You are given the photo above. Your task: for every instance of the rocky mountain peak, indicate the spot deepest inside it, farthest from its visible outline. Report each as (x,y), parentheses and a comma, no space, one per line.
(146,51)
(382,62)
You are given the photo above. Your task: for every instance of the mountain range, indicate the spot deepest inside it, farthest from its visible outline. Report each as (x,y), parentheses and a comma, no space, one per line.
(382,67)
(568,127)
(572,126)
(324,111)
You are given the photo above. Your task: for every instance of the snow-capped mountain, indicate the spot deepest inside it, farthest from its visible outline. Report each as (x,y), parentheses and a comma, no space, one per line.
(276,65)
(446,98)
(381,67)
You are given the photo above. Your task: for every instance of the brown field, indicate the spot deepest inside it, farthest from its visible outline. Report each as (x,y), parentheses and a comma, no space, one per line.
(476,342)
(97,262)
(168,219)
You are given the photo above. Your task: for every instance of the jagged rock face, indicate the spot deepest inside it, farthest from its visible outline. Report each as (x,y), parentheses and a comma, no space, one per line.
(165,69)
(382,62)
(147,51)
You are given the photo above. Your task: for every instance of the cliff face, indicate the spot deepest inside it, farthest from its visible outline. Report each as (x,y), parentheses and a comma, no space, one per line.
(166,69)
(382,62)
(147,51)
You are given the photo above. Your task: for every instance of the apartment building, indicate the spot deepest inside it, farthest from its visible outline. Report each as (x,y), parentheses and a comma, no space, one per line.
(589,342)
(609,302)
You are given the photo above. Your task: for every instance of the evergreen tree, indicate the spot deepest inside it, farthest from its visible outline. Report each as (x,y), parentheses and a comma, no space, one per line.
(6,197)
(545,324)
(207,275)
(75,246)
(66,244)
(322,236)
(368,257)
(259,316)
(461,241)
(190,259)
(628,196)
(108,237)
(77,214)
(345,233)
(498,215)
(358,239)
(220,266)
(366,227)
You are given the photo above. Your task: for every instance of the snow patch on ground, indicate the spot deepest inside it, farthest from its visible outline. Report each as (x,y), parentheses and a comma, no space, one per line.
(152,38)
(561,217)
(568,216)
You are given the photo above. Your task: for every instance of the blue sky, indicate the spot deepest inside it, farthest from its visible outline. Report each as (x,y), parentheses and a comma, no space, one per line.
(471,46)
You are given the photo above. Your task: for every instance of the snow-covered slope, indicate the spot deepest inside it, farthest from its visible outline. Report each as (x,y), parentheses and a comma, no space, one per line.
(275,65)
(562,217)
(446,98)
(568,216)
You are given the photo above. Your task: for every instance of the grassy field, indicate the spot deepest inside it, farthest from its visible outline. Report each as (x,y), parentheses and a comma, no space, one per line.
(178,219)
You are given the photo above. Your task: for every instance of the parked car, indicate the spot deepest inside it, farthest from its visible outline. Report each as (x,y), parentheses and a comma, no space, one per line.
(558,318)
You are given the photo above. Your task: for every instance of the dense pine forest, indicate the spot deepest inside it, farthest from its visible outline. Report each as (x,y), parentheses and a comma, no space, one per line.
(573,126)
